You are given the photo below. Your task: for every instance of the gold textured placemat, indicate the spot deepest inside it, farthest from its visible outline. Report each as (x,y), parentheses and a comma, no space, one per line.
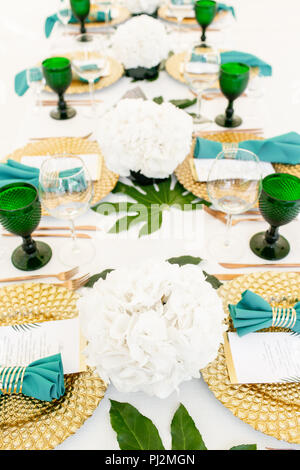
(27,423)
(174,68)
(163,14)
(73,146)
(185,172)
(272,409)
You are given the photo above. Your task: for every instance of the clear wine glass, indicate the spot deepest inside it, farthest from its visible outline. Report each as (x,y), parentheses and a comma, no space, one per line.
(89,66)
(64,13)
(201,71)
(36,82)
(66,192)
(233,186)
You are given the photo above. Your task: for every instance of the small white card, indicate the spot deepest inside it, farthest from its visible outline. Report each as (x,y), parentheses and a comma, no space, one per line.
(230,169)
(21,346)
(262,357)
(92,162)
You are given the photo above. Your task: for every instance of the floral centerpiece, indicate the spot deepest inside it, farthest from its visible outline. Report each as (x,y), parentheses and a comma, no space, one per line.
(151,327)
(140,136)
(137,7)
(141,44)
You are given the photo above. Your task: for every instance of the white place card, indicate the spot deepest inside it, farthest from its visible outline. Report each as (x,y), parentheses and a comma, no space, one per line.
(19,346)
(92,162)
(262,357)
(230,169)
(102,64)
(199,68)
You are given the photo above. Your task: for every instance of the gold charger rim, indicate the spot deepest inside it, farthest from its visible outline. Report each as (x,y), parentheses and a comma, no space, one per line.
(191,22)
(124,15)
(107,179)
(27,423)
(272,409)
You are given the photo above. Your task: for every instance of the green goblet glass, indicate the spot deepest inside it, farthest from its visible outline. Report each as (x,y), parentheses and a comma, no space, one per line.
(205,11)
(233,78)
(58,75)
(20,214)
(81,10)
(279,204)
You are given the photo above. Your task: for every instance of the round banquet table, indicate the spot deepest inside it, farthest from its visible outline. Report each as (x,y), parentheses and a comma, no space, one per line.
(259,29)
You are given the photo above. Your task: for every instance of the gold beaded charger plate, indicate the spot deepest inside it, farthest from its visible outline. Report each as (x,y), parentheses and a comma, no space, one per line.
(116,71)
(185,172)
(272,409)
(27,423)
(174,67)
(163,13)
(105,181)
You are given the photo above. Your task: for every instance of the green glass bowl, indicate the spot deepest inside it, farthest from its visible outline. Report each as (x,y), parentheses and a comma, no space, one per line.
(279,204)
(20,214)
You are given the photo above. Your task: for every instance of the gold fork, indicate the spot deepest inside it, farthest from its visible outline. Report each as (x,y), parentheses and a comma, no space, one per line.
(75,283)
(64,276)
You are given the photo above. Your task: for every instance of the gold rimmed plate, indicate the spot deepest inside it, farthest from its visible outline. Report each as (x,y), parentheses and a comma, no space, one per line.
(27,423)
(104,182)
(163,13)
(273,409)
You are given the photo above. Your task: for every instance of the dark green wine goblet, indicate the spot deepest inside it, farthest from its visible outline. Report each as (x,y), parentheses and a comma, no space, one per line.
(279,204)
(205,11)
(58,75)
(81,10)
(20,214)
(233,79)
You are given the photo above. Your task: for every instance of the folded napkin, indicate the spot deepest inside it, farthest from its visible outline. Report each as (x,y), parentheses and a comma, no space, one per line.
(236,56)
(253,313)
(42,379)
(21,84)
(284,148)
(98,16)
(14,172)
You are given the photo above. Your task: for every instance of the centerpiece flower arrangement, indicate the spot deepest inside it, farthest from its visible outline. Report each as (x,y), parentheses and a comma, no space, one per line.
(151,327)
(145,138)
(141,44)
(137,7)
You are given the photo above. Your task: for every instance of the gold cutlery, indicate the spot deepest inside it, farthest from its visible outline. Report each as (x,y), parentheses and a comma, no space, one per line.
(71,102)
(64,276)
(263,265)
(256,130)
(75,283)
(62,137)
(78,227)
(223,218)
(226,277)
(53,235)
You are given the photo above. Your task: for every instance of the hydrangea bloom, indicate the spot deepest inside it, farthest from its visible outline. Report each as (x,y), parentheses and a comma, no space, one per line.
(151,327)
(143,136)
(142,6)
(141,42)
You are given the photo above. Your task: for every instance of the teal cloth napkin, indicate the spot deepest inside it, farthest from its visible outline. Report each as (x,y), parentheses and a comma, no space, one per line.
(43,379)
(265,70)
(220,6)
(21,84)
(14,172)
(284,148)
(253,313)
(99,16)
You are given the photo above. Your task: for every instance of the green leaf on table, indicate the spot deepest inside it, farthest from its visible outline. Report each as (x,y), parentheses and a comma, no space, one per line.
(183,103)
(185,435)
(185,259)
(134,430)
(150,203)
(214,281)
(96,277)
(245,447)
(158,99)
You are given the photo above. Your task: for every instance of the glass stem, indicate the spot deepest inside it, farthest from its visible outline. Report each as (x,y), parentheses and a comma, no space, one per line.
(229,112)
(73,235)
(228,230)
(82,27)
(29,245)
(203,36)
(198,104)
(92,96)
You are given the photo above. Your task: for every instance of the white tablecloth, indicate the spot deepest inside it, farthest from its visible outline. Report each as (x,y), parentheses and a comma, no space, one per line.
(259,30)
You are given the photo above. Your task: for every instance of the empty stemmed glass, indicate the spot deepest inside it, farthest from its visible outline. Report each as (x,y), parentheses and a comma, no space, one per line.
(233,79)
(233,186)
(205,12)
(66,191)
(58,75)
(279,204)
(89,65)
(35,81)
(20,214)
(64,13)
(81,10)
(201,71)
